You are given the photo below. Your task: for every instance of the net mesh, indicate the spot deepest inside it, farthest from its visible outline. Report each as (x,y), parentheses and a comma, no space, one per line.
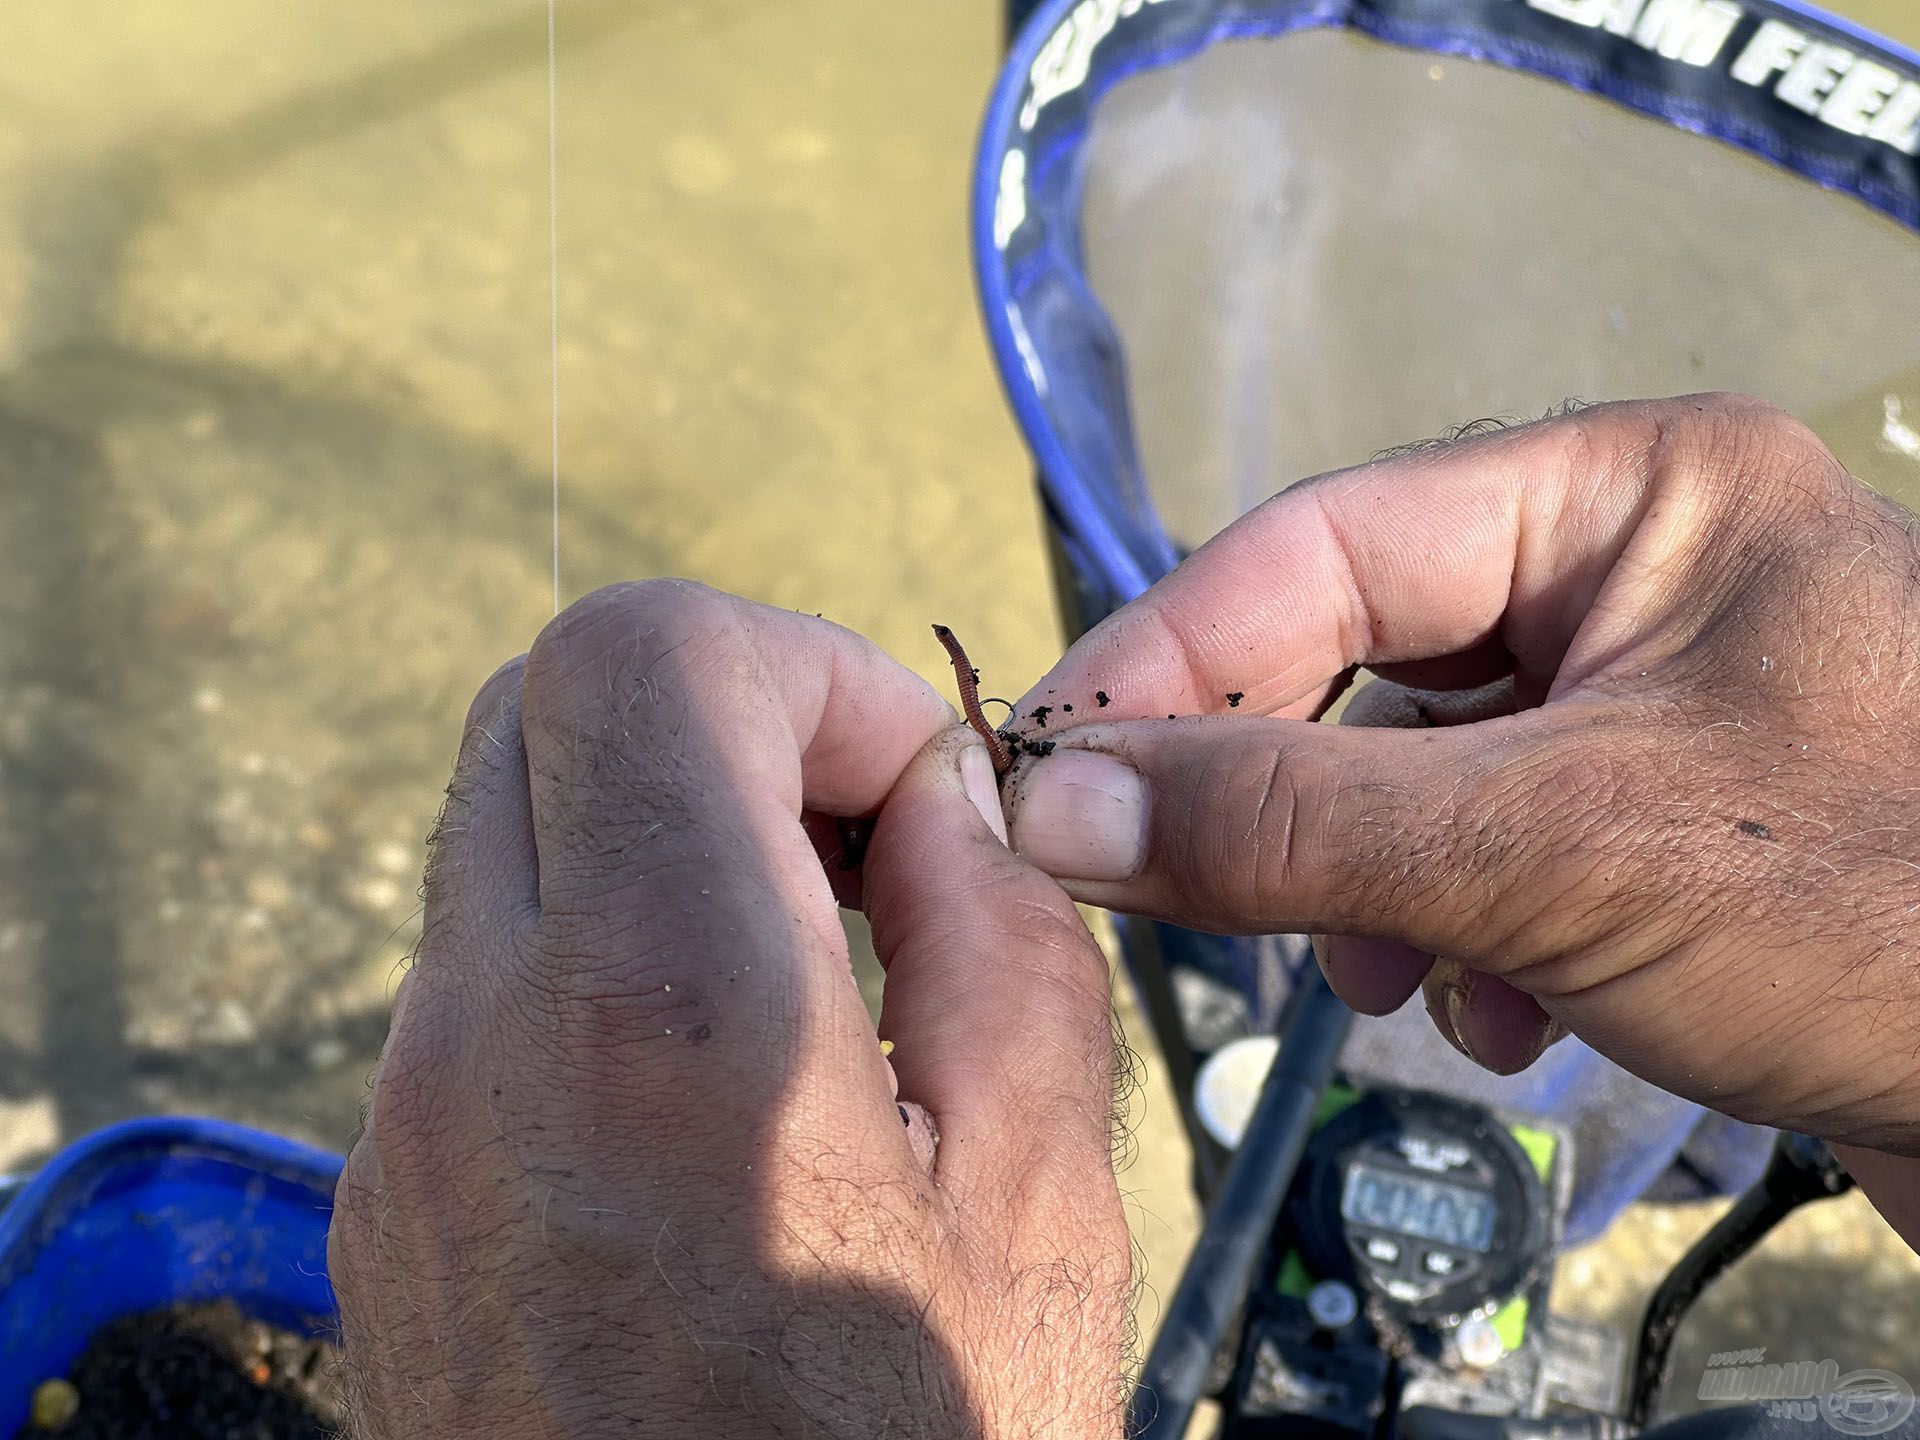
(1317,246)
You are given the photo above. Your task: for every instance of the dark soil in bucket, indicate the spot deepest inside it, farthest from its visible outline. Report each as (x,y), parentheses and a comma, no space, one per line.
(201,1372)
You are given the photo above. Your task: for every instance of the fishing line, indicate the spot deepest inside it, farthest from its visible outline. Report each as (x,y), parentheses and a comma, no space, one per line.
(553,270)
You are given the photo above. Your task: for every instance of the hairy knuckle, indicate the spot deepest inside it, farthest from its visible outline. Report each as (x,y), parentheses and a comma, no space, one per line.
(1719,444)
(1173,626)
(1735,411)
(1361,626)
(494,692)
(413,1111)
(355,1196)
(364,1242)
(590,984)
(1606,439)
(1551,831)
(489,736)
(1751,458)
(616,705)
(586,664)
(646,602)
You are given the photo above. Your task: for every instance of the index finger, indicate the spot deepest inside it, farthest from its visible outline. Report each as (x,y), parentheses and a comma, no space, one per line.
(1502,542)
(686,957)
(667,705)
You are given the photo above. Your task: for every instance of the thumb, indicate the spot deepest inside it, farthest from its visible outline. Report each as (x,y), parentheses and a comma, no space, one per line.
(1442,839)
(997,998)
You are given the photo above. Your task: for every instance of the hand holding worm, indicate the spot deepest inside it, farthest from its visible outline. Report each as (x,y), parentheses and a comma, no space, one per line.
(632,1085)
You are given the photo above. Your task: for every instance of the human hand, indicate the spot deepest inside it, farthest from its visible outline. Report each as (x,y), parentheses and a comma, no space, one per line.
(1673,795)
(634,1159)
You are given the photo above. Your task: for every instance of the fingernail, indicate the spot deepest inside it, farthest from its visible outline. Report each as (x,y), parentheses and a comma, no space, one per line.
(1453,1006)
(1496,1026)
(1082,815)
(983,788)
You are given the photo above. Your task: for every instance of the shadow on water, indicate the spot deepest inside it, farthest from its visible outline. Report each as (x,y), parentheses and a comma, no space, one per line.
(118,806)
(56,784)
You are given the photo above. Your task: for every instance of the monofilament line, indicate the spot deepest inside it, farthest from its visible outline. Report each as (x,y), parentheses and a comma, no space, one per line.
(553,268)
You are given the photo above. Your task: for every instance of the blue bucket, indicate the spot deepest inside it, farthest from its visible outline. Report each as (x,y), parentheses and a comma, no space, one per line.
(152,1213)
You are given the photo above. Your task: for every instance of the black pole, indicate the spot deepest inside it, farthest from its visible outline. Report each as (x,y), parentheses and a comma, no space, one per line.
(1233,1242)
(1801,1169)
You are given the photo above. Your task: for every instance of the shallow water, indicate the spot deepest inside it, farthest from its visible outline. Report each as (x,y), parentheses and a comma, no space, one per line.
(1301,275)
(274,431)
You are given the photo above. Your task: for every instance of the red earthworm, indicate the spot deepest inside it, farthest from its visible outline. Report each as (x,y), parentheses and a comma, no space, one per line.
(969,681)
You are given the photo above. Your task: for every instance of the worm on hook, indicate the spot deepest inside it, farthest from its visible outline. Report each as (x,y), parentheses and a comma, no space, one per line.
(969,681)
